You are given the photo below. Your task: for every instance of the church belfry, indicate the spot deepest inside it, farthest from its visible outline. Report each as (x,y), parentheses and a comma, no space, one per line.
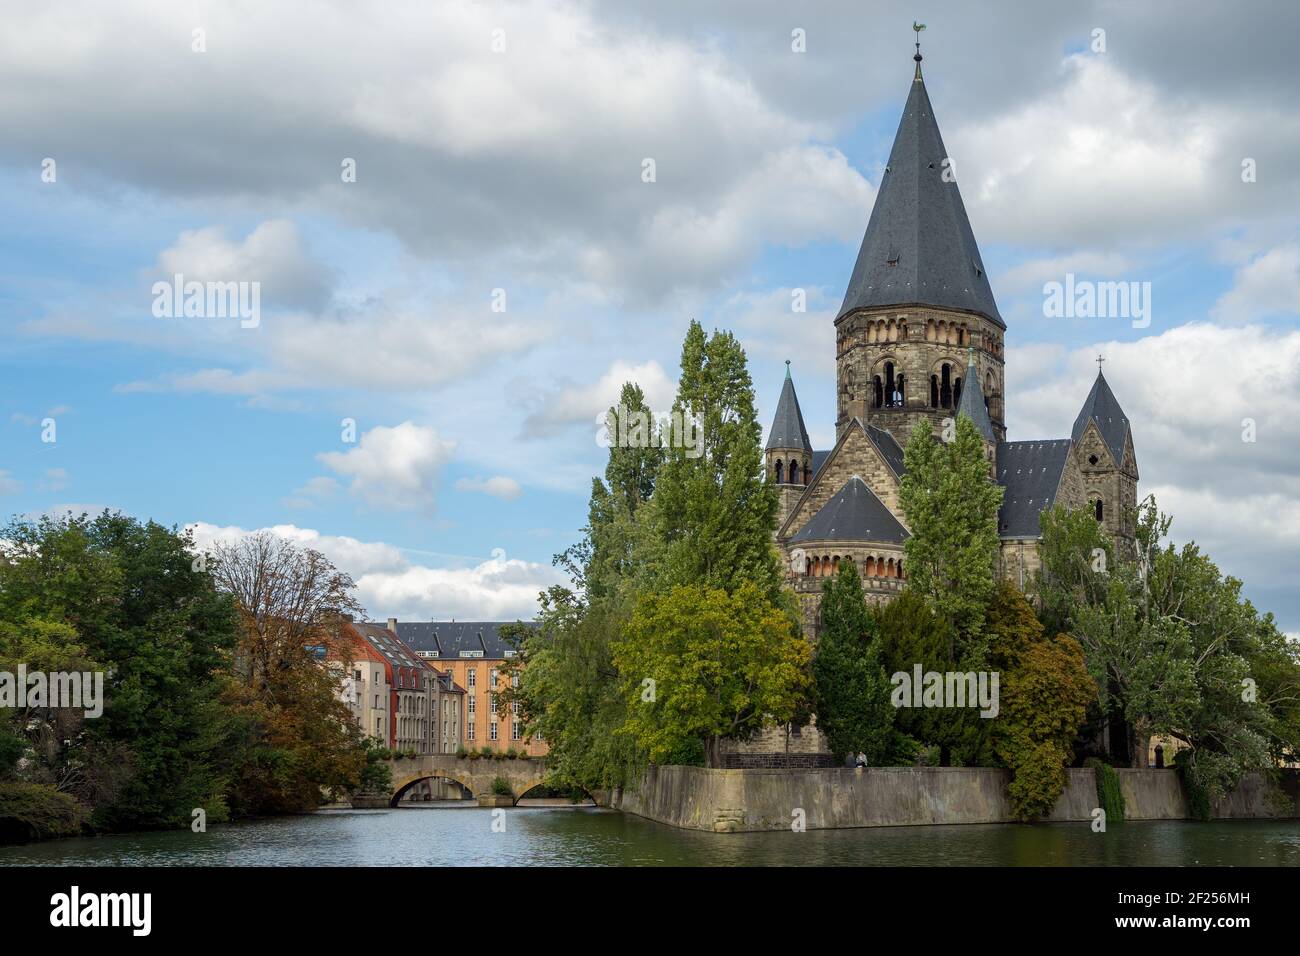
(919,299)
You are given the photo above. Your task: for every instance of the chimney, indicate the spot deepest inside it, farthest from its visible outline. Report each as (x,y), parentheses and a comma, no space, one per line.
(392,624)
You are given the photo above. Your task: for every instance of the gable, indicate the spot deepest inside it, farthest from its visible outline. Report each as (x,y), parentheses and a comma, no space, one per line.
(854,454)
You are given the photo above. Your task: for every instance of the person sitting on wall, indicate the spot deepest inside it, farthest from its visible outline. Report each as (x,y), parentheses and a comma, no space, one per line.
(862,759)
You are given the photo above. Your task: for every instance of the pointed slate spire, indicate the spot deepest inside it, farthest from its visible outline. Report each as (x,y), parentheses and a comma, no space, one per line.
(972,398)
(919,248)
(1102,407)
(788,430)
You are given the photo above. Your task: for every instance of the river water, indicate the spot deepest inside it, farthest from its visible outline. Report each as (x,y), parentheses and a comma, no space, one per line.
(438,835)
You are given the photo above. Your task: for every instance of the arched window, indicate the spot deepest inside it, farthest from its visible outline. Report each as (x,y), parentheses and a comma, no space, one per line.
(779,473)
(880,391)
(1097,509)
(901,397)
(934,391)
(945,386)
(956,392)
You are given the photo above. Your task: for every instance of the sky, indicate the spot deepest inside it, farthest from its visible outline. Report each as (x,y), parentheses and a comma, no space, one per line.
(461,256)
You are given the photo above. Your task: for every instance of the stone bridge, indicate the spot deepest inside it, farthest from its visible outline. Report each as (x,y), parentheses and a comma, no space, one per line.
(476,776)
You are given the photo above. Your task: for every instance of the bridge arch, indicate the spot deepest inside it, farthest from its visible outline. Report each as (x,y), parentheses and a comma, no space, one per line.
(400,789)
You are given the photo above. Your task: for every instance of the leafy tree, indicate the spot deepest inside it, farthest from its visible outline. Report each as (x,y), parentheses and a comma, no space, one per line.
(951,507)
(911,634)
(713,512)
(699,664)
(295,736)
(1176,651)
(851,687)
(129,599)
(1043,700)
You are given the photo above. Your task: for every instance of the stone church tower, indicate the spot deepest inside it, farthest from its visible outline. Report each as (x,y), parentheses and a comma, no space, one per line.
(919,336)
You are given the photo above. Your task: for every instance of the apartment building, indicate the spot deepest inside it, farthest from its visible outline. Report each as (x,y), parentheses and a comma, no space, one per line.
(363,683)
(474,654)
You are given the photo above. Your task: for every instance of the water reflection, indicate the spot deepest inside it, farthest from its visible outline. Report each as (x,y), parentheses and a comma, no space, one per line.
(463,836)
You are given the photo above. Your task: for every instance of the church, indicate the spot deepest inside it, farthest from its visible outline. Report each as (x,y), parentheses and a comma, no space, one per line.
(919,336)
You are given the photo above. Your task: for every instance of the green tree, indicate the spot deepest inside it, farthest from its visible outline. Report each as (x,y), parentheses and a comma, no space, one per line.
(568,689)
(912,634)
(713,512)
(851,687)
(951,507)
(134,603)
(698,664)
(1178,652)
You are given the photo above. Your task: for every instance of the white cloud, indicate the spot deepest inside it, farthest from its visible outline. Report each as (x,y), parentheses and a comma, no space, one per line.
(393,467)
(1189,394)
(8,485)
(1105,159)
(390,585)
(273,254)
(348,554)
(498,486)
(1267,285)
(580,404)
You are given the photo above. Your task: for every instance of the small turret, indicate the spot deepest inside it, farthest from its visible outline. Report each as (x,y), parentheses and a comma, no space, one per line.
(788,455)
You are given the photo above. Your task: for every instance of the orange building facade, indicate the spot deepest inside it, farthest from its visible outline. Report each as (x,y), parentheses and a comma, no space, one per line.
(475,654)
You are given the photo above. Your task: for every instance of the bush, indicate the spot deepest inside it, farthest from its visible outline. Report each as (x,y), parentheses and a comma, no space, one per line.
(33,811)
(1109,795)
(461,752)
(501,787)
(512,754)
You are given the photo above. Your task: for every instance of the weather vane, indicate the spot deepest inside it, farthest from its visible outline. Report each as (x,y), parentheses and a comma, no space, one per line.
(918,27)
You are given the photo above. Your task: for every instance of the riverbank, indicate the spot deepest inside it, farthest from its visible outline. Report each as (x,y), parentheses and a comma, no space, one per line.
(737,801)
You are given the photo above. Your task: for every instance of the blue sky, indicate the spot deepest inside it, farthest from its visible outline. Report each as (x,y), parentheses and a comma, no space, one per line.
(519,169)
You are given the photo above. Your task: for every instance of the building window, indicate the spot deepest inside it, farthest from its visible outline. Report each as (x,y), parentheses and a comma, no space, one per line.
(469,682)
(471,706)
(514,730)
(492,731)
(469,731)
(1097,509)
(494,677)
(492,703)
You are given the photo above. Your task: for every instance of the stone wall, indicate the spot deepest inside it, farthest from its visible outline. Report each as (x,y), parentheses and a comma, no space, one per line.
(767,799)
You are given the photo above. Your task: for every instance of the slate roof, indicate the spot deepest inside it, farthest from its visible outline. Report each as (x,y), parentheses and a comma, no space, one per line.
(787,427)
(919,247)
(889,448)
(972,402)
(853,514)
(1030,472)
(819,459)
(1102,407)
(456,639)
(397,653)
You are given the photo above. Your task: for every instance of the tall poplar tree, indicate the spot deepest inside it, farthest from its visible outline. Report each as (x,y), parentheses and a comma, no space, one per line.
(851,688)
(951,507)
(714,514)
